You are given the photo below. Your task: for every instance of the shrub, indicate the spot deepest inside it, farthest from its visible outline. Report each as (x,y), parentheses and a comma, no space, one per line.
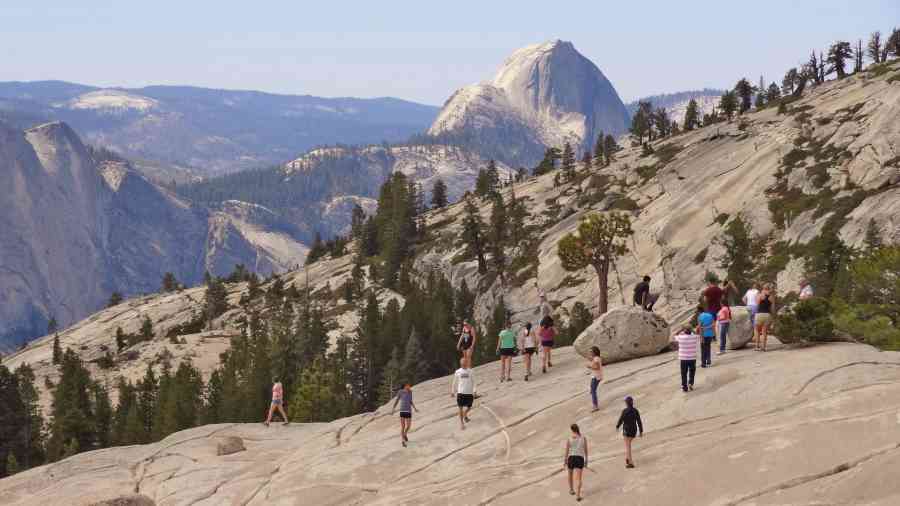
(807,321)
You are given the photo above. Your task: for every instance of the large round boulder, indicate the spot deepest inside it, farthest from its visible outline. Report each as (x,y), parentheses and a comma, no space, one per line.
(740,331)
(625,333)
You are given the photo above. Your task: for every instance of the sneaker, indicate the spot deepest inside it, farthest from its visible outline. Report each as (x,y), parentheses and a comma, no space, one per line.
(720,352)
(630,465)
(403,443)
(684,389)
(549,364)
(691,388)
(526,377)
(544,370)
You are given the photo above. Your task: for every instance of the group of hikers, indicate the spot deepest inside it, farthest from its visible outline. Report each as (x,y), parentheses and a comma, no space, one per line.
(713,317)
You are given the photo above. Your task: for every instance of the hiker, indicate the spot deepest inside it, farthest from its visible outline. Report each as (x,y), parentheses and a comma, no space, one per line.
(575,459)
(687,356)
(724,321)
(630,422)
(405,398)
(806,290)
(642,295)
(751,299)
(527,342)
(706,325)
(463,387)
(506,347)
(712,296)
(729,292)
(547,334)
(764,316)
(544,307)
(277,403)
(596,367)
(466,343)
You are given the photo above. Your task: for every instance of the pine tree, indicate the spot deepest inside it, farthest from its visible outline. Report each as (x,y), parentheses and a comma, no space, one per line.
(121,340)
(216,299)
(609,148)
(169,283)
(13,419)
(473,235)
(439,194)
(641,122)
(370,246)
(493,176)
(72,425)
(125,408)
(789,82)
(728,103)
(213,405)
(548,163)
(874,47)
(414,367)
(146,329)
(600,151)
(391,378)
(33,433)
(114,299)
(858,56)
(357,219)
(52,325)
(601,239)
(872,241)
(12,465)
(773,94)
(498,234)
(691,116)
(567,162)
(147,394)
(744,90)
(320,396)
(57,350)
(364,375)
(661,122)
(838,54)
(587,160)
(518,214)
(103,414)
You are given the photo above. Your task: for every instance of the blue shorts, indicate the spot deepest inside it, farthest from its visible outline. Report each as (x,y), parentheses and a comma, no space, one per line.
(276,402)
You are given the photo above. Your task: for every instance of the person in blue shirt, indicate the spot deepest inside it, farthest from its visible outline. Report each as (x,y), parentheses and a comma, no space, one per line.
(706,327)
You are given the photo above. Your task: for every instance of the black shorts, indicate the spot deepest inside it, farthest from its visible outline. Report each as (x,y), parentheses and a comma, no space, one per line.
(630,434)
(547,344)
(575,462)
(507,352)
(404,414)
(530,351)
(465,400)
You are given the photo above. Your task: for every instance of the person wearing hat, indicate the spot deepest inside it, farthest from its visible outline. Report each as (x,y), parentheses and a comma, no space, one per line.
(630,422)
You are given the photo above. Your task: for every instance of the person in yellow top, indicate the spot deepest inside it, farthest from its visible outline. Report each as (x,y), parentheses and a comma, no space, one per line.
(506,347)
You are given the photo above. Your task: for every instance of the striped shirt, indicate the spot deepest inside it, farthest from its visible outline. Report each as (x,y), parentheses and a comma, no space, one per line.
(687,346)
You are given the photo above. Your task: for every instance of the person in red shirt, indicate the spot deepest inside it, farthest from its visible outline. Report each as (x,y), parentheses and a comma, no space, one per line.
(712,295)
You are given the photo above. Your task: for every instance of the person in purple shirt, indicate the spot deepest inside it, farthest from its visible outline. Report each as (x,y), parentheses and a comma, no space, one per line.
(405,398)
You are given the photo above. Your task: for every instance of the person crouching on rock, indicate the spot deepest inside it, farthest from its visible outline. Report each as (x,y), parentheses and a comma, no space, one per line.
(277,401)
(596,367)
(547,334)
(575,459)
(630,422)
(405,398)
(527,342)
(463,387)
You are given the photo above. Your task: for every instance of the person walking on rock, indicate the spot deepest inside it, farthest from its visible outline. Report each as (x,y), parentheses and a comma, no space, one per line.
(277,403)
(724,321)
(764,316)
(527,343)
(547,334)
(630,422)
(405,398)
(596,368)
(706,324)
(687,356)
(466,343)
(575,459)
(506,347)
(463,387)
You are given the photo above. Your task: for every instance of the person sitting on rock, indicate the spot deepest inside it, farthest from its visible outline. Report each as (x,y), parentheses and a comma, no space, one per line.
(642,295)
(277,401)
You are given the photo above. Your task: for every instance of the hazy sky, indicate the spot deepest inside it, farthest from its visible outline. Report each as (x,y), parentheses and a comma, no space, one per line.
(416,50)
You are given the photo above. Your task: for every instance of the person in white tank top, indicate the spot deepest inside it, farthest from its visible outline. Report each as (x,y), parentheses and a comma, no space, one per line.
(575,459)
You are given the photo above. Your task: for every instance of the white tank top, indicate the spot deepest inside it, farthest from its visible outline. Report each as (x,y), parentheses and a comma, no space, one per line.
(576,447)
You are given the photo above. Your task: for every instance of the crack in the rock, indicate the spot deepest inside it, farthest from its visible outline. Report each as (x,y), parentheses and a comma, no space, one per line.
(835,369)
(146,461)
(802,480)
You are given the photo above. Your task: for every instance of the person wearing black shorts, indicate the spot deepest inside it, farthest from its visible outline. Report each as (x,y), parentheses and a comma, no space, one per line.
(463,387)
(527,342)
(506,347)
(630,422)
(404,397)
(575,459)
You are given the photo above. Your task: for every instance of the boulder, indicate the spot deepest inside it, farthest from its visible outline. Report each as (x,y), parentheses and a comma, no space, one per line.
(625,333)
(229,445)
(740,332)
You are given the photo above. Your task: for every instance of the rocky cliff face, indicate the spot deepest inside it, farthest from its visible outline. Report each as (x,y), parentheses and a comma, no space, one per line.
(751,432)
(75,229)
(544,95)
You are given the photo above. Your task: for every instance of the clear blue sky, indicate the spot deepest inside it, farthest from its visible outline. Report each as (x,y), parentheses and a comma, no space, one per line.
(415,50)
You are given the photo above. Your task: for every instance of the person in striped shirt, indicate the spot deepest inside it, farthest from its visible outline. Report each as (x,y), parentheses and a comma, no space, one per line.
(687,355)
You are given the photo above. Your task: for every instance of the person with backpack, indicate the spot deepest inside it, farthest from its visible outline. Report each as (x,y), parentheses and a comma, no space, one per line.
(575,459)
(687,357)
(596,368)
(466,342)
(630,422)
(547,334)
(527,343)
(506,347)
(277,403)
(724,321)
(706,324)
(405,398)
(764,316)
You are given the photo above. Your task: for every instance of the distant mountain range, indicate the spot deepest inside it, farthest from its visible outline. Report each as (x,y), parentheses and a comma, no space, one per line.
(204,131)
